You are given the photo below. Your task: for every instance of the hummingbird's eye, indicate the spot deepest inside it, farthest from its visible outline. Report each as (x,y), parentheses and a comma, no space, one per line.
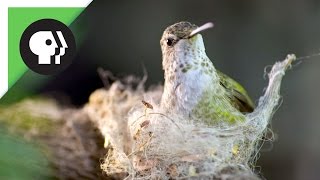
(170,41)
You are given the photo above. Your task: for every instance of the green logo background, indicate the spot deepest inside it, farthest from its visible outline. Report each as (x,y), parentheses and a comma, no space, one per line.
(19,20)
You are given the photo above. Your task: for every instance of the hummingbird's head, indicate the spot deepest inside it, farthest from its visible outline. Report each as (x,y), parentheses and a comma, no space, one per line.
(182,39)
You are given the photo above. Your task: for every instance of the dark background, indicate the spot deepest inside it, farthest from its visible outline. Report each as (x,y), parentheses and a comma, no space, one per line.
(249,35)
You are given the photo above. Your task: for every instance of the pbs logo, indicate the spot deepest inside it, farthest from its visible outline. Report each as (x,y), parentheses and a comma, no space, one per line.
(47,46)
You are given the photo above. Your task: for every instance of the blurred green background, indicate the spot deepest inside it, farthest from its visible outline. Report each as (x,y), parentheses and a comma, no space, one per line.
(249,35)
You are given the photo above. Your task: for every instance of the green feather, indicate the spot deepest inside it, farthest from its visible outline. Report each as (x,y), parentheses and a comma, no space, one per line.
(237,94)
(227,107)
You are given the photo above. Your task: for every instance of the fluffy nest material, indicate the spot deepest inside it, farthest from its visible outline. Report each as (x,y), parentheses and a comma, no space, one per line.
(140,140)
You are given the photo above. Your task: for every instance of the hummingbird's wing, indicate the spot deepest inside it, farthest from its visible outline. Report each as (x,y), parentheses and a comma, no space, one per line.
(237,94)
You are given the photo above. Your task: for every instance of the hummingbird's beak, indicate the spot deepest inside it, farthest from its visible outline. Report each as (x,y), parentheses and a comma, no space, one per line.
(201,28)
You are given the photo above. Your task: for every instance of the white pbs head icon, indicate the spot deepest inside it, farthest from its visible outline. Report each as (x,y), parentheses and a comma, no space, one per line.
(47,46)
(43,44)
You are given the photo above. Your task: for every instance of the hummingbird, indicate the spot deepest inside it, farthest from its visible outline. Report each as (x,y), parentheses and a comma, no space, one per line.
(193,87)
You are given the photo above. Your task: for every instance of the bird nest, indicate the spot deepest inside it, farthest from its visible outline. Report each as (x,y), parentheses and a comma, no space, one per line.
(146,143)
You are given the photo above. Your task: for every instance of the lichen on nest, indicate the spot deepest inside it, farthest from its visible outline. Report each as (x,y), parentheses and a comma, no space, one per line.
(65,138)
